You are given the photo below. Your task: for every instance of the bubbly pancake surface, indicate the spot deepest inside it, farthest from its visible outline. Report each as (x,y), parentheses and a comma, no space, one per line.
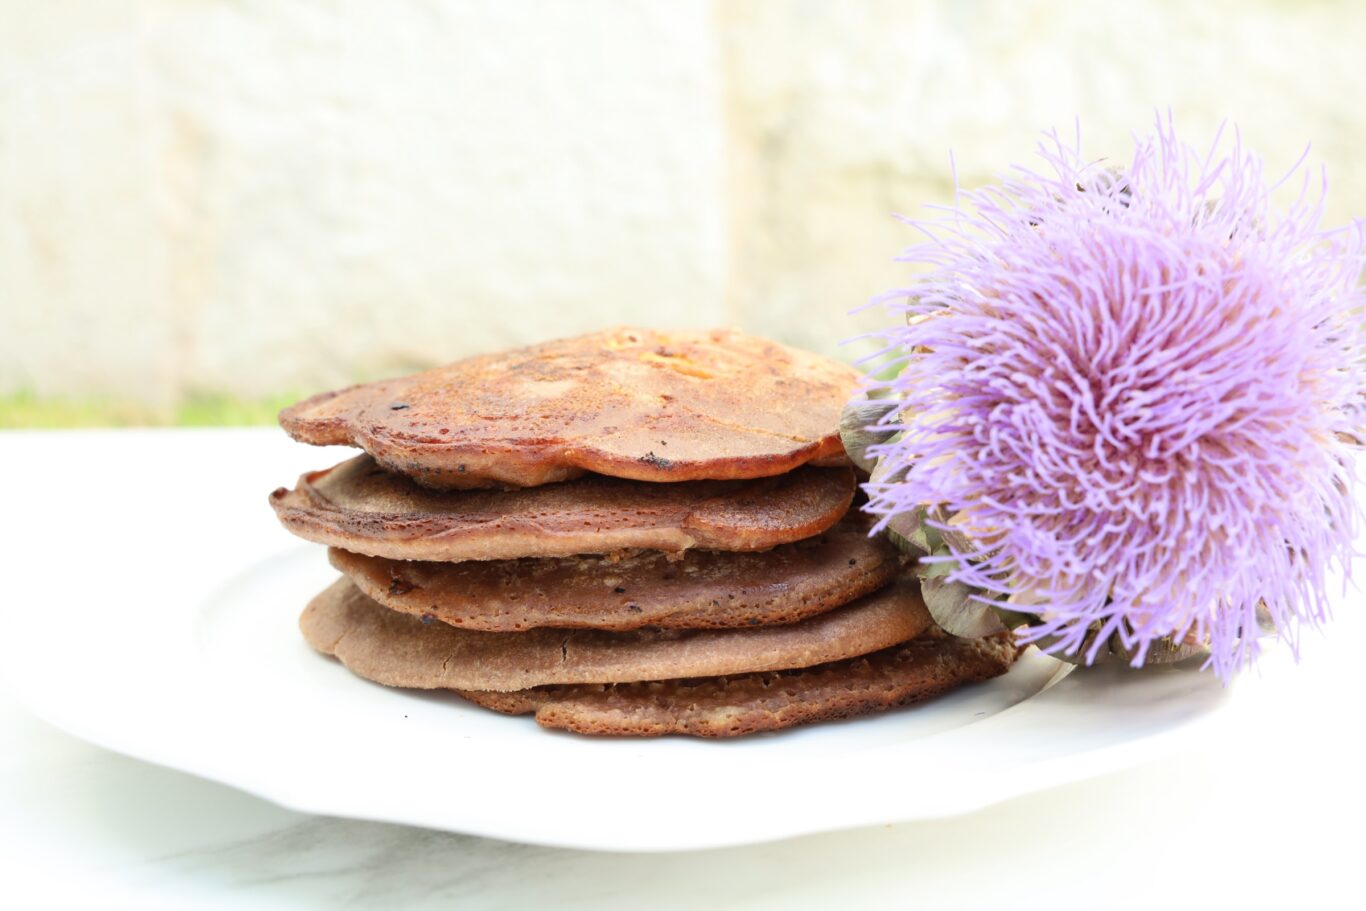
(629,403)
(361,507)
(703,589)
(399,649)
(911,672)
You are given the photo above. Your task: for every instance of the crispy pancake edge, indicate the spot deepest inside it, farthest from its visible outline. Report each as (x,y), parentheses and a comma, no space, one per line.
(901,675)
(819,498)
(397,649)
(700,590)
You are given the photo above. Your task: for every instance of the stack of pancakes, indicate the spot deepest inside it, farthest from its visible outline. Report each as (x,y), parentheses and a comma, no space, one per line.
(628,532)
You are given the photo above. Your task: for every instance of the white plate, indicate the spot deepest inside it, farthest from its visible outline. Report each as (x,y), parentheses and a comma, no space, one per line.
(170,637)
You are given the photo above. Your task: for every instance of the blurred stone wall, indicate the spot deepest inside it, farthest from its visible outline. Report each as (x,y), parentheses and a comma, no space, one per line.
(259,197)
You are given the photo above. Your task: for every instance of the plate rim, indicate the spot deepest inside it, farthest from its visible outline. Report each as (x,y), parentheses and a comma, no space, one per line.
(1044,776)
(287,790)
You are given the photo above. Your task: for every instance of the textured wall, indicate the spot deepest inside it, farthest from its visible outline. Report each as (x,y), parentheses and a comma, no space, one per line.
(258,197)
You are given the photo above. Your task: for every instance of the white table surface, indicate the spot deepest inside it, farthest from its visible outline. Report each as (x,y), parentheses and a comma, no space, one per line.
(1266,815)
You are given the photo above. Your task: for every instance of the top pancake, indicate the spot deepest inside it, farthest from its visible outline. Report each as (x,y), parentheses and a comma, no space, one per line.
(629,403)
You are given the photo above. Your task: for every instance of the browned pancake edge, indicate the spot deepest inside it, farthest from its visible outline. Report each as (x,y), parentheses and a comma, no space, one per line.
(898,676)
(398,649)
(701,590)
(361,507)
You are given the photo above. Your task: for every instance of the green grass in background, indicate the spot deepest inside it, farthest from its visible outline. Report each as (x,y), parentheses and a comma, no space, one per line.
(24,410)
(27,411)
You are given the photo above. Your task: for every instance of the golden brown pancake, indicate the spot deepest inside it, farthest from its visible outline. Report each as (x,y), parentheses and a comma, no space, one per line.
(730,706)
(629,403)
(398,649)
(360,507)
(704,589)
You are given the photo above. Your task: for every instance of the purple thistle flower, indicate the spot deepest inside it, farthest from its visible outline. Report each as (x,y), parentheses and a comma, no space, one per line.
(1137,392)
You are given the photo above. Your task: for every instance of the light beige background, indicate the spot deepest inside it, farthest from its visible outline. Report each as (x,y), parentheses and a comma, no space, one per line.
(260,197)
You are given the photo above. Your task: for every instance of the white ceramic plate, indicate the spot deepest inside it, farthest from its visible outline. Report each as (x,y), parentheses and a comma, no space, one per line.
(167,632)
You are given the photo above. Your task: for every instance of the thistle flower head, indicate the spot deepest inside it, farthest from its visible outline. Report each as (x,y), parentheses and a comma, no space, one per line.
(1134,390)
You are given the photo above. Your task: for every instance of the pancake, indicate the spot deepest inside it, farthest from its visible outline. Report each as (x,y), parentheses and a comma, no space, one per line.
(729,706)
(628,403)
(360,507)
(398,649)
(704,589)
